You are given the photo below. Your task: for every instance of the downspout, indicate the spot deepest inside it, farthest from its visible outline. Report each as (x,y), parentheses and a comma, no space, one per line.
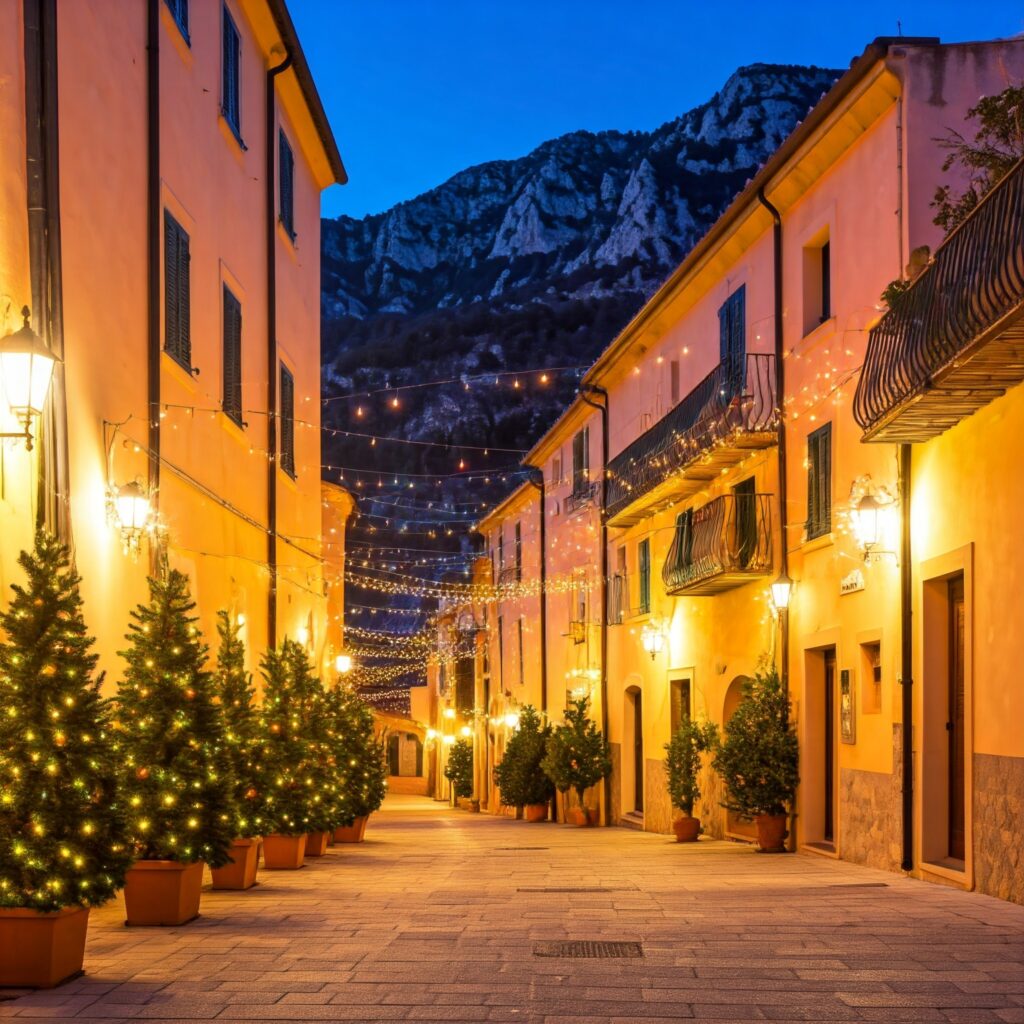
(42,151)
(780,394)
(271,239)
(906,659)
(603,408)
(537,480)
(153,227)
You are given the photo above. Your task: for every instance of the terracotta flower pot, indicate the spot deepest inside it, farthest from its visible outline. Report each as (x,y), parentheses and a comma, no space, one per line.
(536,812)
(162,892)
(351,833)
(361,822)
(584,817)
(316,844)
(283,853)
(687,828)
(771,832)
(41,950)
(240,872)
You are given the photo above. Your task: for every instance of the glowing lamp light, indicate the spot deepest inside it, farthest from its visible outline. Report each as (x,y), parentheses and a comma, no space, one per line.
(240,620)
(448,738)
(26,368)
(466,731)
(512,720)
(449,712)
(866,523)
(431,734)
(302,635)
(653,639)
(131,505)
(782,590)
(343,663)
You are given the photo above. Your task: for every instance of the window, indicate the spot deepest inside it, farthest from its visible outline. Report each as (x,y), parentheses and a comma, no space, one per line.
(232,397)
(732,340)
(519,551)
(817,281)
(680,555)
(673,374)
(179,11)
(230,75)
(556,469)
(680,702)
(501,549)
(522,666)
(177,327)
(286,184)
(819,482)
(581,461)
(745,499)
(501,651)
(643,553)
(617,599)
(287,416)
(871,673)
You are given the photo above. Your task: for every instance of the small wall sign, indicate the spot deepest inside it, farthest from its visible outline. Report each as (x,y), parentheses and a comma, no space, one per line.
(852,582)
(847,715)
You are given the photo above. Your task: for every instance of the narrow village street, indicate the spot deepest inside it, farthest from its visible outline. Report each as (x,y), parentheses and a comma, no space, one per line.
(446,915)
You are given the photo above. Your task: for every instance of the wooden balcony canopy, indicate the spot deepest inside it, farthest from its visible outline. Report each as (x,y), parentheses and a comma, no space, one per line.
(954,340)
(727,415)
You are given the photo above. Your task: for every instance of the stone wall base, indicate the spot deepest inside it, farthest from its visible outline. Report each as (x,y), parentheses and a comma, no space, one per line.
(998,815)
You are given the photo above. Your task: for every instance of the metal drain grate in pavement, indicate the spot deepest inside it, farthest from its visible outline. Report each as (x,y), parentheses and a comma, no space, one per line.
(588,949)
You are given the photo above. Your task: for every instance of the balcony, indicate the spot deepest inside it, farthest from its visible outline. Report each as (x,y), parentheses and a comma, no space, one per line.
(583,492)
(725,417)
(509,574)
(954,340)
(720,545)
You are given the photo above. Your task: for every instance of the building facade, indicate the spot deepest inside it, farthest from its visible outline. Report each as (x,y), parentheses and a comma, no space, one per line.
(161,211)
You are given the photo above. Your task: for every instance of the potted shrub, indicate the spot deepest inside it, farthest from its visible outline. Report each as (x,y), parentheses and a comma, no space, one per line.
(175,779)
(459,769)
(759,758)
(235,694)
(520,776)
(63,841)
(577,757)
(683,761)
(363,757)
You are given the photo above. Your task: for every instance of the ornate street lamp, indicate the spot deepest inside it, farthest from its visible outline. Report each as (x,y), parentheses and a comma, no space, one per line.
(782,590)
(653,639)
(132,511)
(26,368)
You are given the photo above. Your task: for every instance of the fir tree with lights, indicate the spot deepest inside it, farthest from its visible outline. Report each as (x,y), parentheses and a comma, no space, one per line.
(237,695)
(362,756)
(175,774)
(63,838)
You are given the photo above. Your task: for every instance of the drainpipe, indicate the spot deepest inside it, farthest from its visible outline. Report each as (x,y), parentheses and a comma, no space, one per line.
(42,150)
(780,392)
(537,480)
(153,249)
(602,407)
(906,659)
(271,225)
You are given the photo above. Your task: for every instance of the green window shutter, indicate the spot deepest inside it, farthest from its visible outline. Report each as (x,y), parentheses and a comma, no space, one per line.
(177,328)
(644,560)
(232,397)
(286,184)
(230,73)
(819,482)
(287,417)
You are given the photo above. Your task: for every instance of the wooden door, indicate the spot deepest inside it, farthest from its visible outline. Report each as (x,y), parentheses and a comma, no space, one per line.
(955,722)
(829,726)
(638,752)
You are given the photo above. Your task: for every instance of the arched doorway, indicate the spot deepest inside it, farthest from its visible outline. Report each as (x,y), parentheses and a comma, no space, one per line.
(734,824)
(405,755)
(633,752)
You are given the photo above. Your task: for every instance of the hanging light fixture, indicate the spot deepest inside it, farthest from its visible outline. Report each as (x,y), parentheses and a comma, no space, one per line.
(870,521)
(653,638)
(343,663)
(26,368)
(133,513)
(782,591)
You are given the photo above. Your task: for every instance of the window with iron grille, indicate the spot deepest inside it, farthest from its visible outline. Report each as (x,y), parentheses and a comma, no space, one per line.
(643,553)
(286,184)
(177,327)
(231,59)
(232,396)
(819,482)
(287,417)
(179,11)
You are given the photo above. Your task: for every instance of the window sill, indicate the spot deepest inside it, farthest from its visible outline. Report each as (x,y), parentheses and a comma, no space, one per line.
(291,479)
(826,540)
(178,33)
(822,332)
(954,871)
(234,427)
(186,375)
(289,237)
(232,134)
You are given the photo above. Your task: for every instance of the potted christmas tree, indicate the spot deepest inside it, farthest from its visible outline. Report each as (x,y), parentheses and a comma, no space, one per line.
(365,764)
(519,776)
(577,758)
(758,760)
(683,761)
(459,769)
(235,693)
(174,775)
(63,841)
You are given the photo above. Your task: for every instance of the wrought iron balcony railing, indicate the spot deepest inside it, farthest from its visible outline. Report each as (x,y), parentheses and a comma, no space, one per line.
(509,574)
(720,545)
(731,411)
(582,494)
(954,340)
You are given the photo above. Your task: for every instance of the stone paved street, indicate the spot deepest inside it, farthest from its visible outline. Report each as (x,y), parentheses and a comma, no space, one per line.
(437,915)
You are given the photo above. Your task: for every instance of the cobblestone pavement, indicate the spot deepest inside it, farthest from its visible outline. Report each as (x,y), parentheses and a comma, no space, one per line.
(437,917)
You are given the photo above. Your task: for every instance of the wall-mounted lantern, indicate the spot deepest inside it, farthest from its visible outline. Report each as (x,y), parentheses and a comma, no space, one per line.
(26,368)
(870,518)
(782,591)
(653,638)
(133,512)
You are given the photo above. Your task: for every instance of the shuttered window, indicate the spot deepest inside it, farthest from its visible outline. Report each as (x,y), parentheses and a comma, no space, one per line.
(287,421)
(519,551)
(581,461)
(177,326)
(232,396)
(644,574)
(230,74)
(732,339)
(179,11)
(819,482)
(286,184)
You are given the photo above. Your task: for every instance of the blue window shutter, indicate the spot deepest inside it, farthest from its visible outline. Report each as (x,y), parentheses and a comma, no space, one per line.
(232,398)
(287,416)
(230,73)
(286,184)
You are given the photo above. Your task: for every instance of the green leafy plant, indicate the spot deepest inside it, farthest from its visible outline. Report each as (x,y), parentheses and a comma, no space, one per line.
(997,145)
(459,769)
(759,758)
(578,756)
(683,761)
(63,836)
(175,776)
(520,776)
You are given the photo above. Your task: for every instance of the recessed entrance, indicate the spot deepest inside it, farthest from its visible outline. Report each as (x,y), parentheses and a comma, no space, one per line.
(955,722)
(828,731)
(636,710)
(820,742)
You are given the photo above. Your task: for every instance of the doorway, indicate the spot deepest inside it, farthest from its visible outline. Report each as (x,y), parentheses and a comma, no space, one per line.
(636,700)
(955,719)
(828,830)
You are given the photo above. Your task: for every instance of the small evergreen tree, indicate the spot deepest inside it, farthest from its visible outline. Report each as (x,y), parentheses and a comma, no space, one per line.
(175,778)
(63,837)
(236,695)
(683,757)
(520,776)
(459,769)
(578,756)
(361,756)
(759,758)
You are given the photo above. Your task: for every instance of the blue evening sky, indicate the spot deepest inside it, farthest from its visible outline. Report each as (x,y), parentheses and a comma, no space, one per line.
(416,90)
